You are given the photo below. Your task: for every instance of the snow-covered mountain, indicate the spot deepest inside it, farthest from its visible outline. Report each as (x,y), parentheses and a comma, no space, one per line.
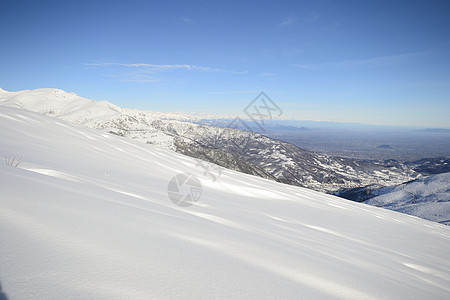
(431,166)
(87,215)
(247,152)
(289,163)
(427,198)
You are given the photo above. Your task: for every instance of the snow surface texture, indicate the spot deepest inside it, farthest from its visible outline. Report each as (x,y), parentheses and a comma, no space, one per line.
(86,215)
(427,197)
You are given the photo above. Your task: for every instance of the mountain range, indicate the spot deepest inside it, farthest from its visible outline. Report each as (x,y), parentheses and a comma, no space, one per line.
(244,151)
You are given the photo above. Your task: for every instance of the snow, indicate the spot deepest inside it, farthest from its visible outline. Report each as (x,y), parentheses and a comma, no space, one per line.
(94,114)
(55,102)
(428,198)
(86,215)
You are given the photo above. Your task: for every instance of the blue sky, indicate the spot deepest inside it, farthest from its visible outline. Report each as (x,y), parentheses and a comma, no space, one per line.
(376,62)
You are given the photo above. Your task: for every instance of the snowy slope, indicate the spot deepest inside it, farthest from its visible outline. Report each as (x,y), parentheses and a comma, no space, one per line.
(55,102)
(427,198)
(86,215)
(93,114)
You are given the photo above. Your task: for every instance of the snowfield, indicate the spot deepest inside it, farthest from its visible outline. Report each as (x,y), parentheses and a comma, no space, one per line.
(86,215)
(428,198)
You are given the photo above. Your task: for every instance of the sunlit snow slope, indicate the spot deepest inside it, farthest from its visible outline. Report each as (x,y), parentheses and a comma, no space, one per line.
(427,197)
(86,215)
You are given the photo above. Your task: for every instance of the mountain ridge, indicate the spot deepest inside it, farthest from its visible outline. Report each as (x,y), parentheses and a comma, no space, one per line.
(427,198)
(248,152)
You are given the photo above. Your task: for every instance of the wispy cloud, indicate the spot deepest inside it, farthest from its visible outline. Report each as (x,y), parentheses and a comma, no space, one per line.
(375,61)
(308,17)
(289,21)
(239,72)
(187,21)
(236,92)
(156,67)
(139,80)
(131,76)
(267,74)
(145,72)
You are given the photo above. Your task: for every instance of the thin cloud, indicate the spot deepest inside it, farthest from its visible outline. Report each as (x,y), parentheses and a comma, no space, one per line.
(144,72)
(236,92)
(308,17)
(187,21)
(156,67)
(134,76)
(140,80)
(239,72)
(289,21)
(267,74)
(375,61)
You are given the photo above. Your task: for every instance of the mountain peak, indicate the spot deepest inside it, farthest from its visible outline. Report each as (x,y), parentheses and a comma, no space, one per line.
(52,101)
